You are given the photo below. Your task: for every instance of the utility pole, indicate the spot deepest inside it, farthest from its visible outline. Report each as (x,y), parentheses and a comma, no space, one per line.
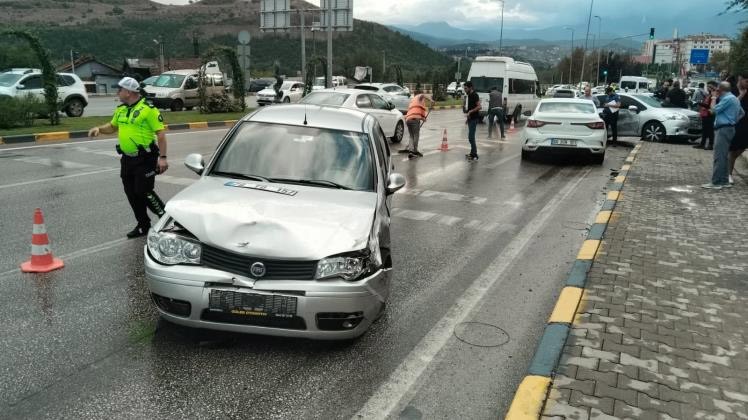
(384,64)
(571,56)
(72,61)
(586,40)
(329,43)
(303,46)
(501,32)
(600,40)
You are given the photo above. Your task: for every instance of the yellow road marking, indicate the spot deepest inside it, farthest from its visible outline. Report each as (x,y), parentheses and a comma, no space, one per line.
(53,136)
(603,217)
(566,306)
(589,249)
(529,398)
(202,124)
(625,167)
(620,179)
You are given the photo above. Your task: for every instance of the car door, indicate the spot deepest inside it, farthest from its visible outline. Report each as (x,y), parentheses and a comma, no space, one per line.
(31,85)
(628,121)
(380,109)
(296,91)
(191,93)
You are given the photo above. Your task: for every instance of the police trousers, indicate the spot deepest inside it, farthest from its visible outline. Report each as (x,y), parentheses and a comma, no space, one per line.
(138,178)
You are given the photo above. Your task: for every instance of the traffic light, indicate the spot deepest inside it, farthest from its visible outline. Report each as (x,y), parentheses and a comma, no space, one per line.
(651,33)
(605,72)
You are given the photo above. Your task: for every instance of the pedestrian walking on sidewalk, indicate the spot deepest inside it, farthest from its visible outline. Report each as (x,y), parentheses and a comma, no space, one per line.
(472,109)
(740,142)
(707,118)
(727,113)
(414,119)
(496,111)
(610,113)
(139,127)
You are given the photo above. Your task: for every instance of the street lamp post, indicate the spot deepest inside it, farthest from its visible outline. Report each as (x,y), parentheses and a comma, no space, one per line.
(160,42)
(501,31)
(329,43)
(571,56)
(586,41)
(599,26)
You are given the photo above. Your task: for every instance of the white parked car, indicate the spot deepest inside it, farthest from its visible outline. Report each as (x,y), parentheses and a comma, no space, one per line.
(453,89)
(70,89)
(565,126)
(390,92)
(291,92)
(391,120)
(641,115)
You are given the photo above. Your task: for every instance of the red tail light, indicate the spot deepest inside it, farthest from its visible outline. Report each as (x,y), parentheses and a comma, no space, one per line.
(599,125)
(538,124)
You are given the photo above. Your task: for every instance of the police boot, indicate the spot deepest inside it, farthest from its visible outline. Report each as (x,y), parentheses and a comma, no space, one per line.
(138,232)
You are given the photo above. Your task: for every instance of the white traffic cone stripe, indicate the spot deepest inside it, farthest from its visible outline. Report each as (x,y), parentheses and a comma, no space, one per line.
(40,249)
(38,229)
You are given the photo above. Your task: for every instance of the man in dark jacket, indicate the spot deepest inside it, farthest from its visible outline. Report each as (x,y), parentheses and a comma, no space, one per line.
(676,97)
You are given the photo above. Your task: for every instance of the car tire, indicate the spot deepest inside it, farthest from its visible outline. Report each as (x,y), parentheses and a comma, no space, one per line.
(74,108)
(598,159)
(177,105)
(654,131)
(526,155)
(399,133)
(286,100)
(189,108)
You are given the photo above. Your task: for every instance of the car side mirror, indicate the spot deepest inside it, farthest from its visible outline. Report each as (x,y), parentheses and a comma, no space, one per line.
(390,106)
(634,108)
(395,183)
(20,87)
(195,163)
(527,113)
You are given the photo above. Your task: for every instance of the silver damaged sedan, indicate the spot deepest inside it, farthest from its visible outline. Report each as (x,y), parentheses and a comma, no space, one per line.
(287,231)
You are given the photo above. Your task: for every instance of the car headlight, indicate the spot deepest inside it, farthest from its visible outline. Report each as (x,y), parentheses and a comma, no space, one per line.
(680,117)
(169,248)
(349,267)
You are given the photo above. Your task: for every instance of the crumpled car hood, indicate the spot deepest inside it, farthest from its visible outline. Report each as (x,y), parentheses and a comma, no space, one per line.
(312,224)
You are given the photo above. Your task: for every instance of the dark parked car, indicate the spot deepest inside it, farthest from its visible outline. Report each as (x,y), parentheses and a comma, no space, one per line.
(257,85)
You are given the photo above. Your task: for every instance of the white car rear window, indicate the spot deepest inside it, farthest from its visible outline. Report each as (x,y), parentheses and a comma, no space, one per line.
(568,107)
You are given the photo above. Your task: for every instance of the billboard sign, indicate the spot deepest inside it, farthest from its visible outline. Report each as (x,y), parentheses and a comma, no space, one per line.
(275,15)
(699,56)
(342,14)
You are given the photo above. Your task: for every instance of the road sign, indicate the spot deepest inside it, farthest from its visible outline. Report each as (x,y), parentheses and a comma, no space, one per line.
(244,37)
(699,56)
(275,15)
(342,14)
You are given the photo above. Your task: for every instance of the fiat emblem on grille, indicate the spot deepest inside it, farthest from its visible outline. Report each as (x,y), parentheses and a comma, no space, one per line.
(258,270)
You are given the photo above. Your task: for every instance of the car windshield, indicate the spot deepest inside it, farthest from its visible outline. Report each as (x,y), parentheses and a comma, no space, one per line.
(568,107)
(286,85)
(325,98)
(648,100)
(287,152)
(484,84)
(9,79)
(169,80)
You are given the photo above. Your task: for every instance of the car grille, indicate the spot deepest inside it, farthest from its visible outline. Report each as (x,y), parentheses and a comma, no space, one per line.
(293,323)
(220,259)
(694,122)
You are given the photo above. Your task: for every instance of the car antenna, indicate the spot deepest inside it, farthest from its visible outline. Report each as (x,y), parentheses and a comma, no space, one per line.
(305,122)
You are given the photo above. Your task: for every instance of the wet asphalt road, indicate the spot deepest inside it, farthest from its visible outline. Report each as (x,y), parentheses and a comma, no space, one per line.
(480,254)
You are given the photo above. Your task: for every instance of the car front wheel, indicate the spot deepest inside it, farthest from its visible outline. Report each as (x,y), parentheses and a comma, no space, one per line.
(177,105)
(74,108)
(654,131)
(399,132)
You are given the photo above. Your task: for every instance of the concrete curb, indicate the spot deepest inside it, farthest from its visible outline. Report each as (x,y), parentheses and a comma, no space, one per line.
(532,392)
(444,107)
(55,136)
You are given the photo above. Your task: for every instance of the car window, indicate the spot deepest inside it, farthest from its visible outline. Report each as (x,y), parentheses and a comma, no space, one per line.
(381,144)
(392,89)
(33,82)
(364,87)
(325,98)
(568,107)
(626,102)
(628,85)
(169,81)
(378,103)
(484,84)
(363,101)
(649,101)
(521,86)
(65,80)
(300,153)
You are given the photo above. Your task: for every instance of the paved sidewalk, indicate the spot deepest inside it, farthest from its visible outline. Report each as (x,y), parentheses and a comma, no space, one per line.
(662,329)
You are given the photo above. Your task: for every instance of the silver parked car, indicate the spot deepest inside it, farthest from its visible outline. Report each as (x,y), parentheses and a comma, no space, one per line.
(397,95)
(287,231)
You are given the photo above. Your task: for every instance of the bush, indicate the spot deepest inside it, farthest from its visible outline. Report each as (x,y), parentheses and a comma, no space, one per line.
(219,103)
(15,112)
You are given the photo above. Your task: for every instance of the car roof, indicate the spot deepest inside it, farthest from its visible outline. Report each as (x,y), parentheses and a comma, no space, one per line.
(565,100)
(347,91)
(330,117)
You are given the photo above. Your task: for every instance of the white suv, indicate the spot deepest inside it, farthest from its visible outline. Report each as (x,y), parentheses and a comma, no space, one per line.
(70,89)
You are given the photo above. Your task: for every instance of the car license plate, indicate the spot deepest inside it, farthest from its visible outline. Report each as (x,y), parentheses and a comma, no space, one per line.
(252,304)
(563,142)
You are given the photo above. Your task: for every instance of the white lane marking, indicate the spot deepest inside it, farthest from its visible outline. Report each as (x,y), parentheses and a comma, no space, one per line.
(441,219)
(39,181)
(175,180)
(444,196)
(110,153)
(401,382)
(501,162)
(76,142)
(79,253)
(54,162)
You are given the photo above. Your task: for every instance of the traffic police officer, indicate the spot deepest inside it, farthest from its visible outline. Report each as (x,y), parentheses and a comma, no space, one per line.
(138,124)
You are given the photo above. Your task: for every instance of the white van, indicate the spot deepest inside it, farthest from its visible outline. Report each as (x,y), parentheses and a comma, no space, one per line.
(635,84)
(516,80)
(178,89)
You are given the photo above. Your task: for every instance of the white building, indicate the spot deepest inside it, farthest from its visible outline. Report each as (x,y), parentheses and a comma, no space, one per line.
(679,50)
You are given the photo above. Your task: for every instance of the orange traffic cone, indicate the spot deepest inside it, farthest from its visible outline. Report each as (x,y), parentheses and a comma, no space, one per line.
(511,126)
(41,260)
(445,146)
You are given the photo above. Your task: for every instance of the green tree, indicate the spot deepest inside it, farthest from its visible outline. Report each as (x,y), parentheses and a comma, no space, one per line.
(739,54)
(720,61)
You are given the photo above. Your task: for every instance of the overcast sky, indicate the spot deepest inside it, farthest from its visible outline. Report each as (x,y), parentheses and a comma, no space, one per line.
(517,13)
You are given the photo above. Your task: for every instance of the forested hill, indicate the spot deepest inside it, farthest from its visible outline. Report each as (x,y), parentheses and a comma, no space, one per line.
(112,30)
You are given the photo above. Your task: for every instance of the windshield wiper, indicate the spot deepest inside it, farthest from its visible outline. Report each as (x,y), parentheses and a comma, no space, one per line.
(240,176)
(320,182)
